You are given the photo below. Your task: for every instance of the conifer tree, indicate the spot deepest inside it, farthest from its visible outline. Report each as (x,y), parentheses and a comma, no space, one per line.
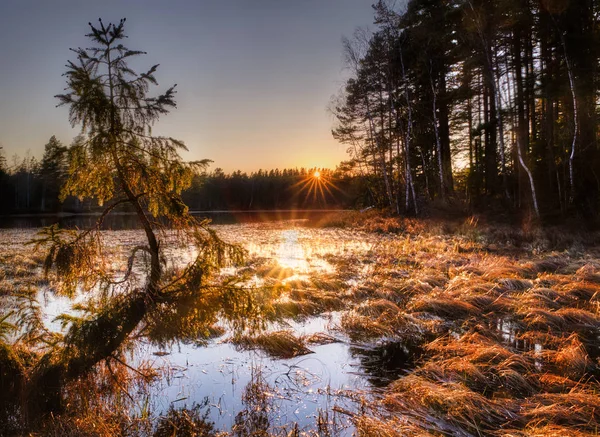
(119,162)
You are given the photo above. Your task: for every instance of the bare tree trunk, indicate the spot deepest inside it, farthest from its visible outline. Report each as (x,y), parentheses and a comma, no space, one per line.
(407,141)
(437,139)
(575,119)
(500,122)
(522,128)
(380,151)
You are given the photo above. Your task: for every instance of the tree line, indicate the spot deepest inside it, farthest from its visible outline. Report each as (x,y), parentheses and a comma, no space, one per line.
(28,185)
(493,101)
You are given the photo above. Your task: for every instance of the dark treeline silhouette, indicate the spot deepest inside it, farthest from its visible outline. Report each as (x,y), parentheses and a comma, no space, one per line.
(31,185)
(34,186)
(492,100)
(276,189)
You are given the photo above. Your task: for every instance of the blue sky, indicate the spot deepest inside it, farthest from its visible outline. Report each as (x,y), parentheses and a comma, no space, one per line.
(254,77)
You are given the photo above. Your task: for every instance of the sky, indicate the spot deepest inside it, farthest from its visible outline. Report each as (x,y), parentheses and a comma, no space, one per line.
(254,77)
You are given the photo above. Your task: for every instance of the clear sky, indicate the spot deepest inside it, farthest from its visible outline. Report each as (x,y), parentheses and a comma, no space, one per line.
(254,77)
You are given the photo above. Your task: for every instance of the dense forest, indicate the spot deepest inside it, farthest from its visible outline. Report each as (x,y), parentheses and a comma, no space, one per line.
(489,103)
(28,185)
(494,102)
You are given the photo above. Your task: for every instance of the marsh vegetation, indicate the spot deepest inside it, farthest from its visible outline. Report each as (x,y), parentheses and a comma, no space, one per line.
(357,324)
(437,329)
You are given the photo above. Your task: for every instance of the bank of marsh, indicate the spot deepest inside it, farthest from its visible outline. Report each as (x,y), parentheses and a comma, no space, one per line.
(436,330)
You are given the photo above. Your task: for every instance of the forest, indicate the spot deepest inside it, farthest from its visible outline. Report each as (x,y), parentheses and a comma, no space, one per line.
(382,321)
(493,102)
(31,186)
(492,105)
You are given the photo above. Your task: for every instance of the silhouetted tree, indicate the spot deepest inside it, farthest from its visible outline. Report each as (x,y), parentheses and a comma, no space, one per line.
(120,162)
(53,171)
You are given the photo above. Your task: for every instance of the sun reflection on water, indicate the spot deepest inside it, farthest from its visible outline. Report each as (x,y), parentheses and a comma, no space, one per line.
(290,253)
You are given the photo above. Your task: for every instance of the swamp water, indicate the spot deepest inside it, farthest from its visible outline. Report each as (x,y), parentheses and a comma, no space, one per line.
(324,385)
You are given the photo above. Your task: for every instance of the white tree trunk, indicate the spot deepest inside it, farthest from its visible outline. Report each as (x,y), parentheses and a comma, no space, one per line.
(438,144)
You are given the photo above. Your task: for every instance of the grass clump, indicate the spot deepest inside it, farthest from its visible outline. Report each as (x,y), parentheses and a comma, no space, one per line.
(380,318)
(446,407)
(579,410)
(279,344)
(446,308)
(185,422)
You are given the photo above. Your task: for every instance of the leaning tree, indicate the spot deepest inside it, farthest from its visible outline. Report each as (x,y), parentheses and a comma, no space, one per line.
(120,164)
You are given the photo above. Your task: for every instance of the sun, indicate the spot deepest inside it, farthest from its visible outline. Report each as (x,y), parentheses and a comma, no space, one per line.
(316,184)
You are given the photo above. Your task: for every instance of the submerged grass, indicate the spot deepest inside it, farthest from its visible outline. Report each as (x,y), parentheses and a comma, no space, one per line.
(507,328)
(503,325)
(278,344)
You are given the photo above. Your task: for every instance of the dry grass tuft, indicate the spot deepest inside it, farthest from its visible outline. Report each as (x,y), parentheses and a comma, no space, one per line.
(551,383)
(577,409)
(302,302)
(546,298)
(549,265)
(571,359)
(384,320)
(490,303)
(451,309)
(446,407)
(546,431)
(287,308)
(580,291)
(589,273)
(279,344)
(320,338)
(367,426)
(515,284)
(364,328)
(377,308)
(323,300)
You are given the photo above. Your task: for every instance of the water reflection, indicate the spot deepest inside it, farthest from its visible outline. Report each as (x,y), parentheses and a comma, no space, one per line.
(126,220)
(385,362)
(299,388)
(290,253)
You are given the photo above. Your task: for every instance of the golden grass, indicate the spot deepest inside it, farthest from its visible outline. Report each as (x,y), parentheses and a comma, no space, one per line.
(578,409)
(504,326)
(563,320)
(367,426)
(505,338)
(447,406)
(481,364)
(363,328)
(278,344)
(451,309)
(546,431)
(571,359)
(551,383)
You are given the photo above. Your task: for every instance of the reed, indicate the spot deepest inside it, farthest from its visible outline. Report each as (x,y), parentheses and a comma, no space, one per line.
(278,344)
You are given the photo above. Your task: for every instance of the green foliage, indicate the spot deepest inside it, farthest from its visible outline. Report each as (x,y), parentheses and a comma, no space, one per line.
(75,257)
(117,160)
(6,328)
(119,153)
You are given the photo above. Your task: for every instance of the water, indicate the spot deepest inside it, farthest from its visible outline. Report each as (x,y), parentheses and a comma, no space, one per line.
(126,220)
(298,388)
(217,375)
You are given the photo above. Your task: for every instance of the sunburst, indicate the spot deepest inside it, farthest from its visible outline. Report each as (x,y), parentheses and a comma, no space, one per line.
(316,184)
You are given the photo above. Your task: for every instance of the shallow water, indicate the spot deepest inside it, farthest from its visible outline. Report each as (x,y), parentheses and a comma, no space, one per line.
(216,375)
(297,388)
